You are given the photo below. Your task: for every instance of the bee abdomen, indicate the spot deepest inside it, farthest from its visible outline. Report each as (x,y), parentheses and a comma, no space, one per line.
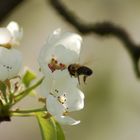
(84,70)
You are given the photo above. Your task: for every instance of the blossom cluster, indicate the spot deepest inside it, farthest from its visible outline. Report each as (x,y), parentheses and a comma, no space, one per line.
(59,87)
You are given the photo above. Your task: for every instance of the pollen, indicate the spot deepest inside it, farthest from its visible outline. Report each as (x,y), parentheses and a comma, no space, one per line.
(63,66)
(62,99)
(55,65)
(66,113)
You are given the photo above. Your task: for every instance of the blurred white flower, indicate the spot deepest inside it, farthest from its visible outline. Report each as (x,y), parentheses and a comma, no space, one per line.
(10,63)
(63,96)
(11,35)
(10,58)
(5,36)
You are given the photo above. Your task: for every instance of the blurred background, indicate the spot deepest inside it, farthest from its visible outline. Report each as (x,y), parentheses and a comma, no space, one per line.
(112,94)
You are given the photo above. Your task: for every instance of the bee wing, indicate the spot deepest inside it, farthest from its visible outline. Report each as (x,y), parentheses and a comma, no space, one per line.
(86,57)
(87,60)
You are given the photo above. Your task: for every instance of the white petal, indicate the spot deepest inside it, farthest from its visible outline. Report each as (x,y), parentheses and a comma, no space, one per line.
(54,37)
(66,120)
(60,80)
(65,55)
(75,100)
(42,61)
(10,63)
(46,86)
(15,31)
(63,80)
(71,41)
(54,107)
(65,46)
(48,81)
(5,36)
(65,84)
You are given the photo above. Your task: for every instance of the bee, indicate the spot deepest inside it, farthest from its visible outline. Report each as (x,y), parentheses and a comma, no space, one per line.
(76,70)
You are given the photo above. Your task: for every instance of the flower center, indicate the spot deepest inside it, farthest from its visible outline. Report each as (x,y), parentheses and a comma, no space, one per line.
(55,65)
(62,99)
(66,113)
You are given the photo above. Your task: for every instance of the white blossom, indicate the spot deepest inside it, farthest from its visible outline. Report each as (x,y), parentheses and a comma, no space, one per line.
(60,89)
(5,36)
(62,48)
(11,35)
(61,100)
(60,104)
(16,32)
(10,58)
(10,63)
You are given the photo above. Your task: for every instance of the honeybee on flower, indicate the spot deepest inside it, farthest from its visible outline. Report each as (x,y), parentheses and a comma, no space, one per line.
(61,50)
(74,69)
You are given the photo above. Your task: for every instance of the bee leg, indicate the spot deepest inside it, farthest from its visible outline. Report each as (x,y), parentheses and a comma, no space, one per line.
(84,78)
(78,79)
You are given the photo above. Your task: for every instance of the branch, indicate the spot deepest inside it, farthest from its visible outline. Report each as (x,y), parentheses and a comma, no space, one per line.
(104,29)
(6,6)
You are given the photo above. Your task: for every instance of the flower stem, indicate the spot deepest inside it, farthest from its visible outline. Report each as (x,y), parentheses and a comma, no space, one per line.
(26,92)
(14,114)
(26,113)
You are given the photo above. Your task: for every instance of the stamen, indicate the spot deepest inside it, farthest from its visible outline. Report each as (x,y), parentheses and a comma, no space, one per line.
(62,99)
(56,90)
(52,94)
(16,86)
(66,113)
(53,65)
(62,66)
(53,59)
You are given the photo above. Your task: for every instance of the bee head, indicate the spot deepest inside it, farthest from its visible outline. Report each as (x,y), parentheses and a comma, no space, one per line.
(72,69)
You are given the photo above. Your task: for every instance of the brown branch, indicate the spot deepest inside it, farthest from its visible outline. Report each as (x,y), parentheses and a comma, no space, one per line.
(6,6)
(104,29)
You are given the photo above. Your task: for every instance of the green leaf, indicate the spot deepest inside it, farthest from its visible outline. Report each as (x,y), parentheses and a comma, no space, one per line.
(32,93)
(3,90)
(60,134)
(28,77)
(50,129)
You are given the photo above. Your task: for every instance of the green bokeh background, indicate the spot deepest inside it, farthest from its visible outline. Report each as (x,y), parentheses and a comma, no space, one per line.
(112,94)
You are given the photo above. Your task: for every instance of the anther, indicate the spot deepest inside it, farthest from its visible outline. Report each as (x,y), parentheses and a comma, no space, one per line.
(56,90)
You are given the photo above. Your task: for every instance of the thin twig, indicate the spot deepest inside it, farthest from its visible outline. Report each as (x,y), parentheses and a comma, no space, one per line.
(104,29)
